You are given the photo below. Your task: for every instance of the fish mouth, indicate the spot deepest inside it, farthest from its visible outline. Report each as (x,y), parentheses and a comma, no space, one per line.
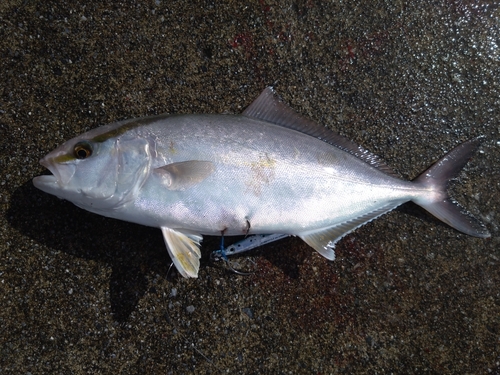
(62,173)
(48,181)
(46,163)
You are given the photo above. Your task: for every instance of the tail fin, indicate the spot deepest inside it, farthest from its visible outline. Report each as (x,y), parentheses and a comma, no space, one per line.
(438,202)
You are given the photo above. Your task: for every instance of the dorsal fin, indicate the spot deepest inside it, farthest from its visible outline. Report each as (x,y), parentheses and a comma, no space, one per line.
(269,107)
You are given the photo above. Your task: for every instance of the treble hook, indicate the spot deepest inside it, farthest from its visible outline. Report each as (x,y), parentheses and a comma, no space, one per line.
(221,254)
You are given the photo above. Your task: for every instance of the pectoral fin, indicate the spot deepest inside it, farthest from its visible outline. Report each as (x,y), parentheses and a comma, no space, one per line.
(183,175)
(184,250)
(323,240)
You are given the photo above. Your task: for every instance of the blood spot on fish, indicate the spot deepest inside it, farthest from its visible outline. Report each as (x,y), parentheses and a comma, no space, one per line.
(246,229)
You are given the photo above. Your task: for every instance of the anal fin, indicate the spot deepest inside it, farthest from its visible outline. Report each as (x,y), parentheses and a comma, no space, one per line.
(323,240)
(184,249)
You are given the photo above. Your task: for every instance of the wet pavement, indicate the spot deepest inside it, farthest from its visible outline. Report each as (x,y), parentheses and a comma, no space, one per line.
(85,294)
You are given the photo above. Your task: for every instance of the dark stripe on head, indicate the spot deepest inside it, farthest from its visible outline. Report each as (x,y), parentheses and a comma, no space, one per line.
(132,124)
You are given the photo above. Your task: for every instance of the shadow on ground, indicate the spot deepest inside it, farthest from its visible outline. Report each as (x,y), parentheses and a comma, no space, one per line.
(132,251)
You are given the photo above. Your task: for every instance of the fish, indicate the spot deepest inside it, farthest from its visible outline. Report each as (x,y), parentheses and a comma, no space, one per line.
(267,170)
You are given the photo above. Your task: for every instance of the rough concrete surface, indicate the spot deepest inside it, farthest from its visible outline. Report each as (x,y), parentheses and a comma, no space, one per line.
(82,294)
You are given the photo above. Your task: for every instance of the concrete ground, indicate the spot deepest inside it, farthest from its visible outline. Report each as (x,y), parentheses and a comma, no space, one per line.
(82,294)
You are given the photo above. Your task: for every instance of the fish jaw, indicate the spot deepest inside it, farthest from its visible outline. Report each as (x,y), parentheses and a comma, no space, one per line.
(56,182)
(46,183)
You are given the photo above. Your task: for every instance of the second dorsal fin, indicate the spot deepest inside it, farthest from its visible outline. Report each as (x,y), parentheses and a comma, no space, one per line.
(269,107)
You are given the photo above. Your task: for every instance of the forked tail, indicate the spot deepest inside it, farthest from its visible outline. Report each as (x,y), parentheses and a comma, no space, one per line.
(438,202)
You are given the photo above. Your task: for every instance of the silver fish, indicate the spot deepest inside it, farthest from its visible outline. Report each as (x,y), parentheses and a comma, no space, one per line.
(268,170)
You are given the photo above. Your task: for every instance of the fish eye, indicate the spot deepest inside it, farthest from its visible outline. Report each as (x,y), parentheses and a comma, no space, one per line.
(82,150)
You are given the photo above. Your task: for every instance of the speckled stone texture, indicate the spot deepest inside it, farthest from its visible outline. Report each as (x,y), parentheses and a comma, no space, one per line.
(82,294)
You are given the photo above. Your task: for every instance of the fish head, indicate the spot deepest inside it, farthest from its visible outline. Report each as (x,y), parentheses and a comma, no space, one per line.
(96,170)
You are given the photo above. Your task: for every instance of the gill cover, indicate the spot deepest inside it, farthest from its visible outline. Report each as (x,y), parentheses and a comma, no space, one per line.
(97,175)
(115,174)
